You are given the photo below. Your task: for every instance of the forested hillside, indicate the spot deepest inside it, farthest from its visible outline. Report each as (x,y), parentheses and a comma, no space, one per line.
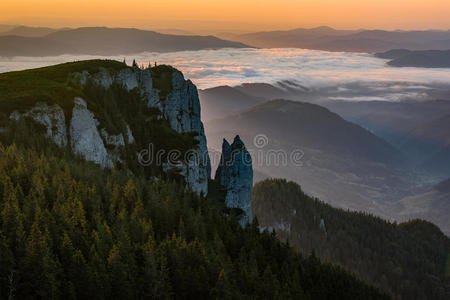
(409,260)
(72,230)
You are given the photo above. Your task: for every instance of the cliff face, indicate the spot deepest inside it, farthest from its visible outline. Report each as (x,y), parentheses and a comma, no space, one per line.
(235,174)
(52,117)
(182,109)
(87,137)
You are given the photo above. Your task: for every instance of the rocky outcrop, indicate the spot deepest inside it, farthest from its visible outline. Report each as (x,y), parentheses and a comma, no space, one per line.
(52,117)
(116,141)
(235,175)
(181,108)
(322,226)
(85,138)
(129,78)
(129,135)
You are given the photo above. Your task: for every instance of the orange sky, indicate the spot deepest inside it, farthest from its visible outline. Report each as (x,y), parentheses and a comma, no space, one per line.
(230,14)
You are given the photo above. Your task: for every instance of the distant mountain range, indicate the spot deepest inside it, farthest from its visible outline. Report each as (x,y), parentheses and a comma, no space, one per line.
(408,125)
(223,100)
(31,31)
(27,31)
(329,39)
(111,41)
(92,40)
(5,27)
(314,127)
(421,59)
(420,129)
(334,169)
(105,41)
(429,145)
(342,163)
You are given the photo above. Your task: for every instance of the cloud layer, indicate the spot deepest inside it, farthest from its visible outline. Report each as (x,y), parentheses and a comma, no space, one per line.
(310,68)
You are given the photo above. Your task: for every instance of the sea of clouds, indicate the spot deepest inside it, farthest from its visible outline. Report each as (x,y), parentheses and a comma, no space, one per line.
(310,68)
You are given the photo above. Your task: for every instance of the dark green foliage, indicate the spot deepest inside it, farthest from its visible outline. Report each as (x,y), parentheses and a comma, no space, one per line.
(409,260)
(72,230)
(162,79)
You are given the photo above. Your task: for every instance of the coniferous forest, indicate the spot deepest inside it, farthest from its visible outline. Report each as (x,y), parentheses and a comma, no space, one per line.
(72,230)
(409,260)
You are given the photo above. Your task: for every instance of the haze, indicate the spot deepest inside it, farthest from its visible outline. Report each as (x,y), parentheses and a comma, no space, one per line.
(233,15)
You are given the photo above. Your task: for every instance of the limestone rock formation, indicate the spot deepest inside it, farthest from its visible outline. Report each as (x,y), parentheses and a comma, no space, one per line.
(129,135)
(85,138)
(116,141)
(180,107)
(235,174)
(52,117)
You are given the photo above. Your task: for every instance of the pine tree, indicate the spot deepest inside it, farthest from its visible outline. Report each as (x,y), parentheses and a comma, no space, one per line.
(8,281)
(11,217)
(223,288)
(39,270)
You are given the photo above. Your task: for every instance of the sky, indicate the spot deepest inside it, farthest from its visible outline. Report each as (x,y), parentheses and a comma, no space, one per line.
(233,15)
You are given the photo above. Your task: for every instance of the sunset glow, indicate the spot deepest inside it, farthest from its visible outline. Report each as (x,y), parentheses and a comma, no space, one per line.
(231,14)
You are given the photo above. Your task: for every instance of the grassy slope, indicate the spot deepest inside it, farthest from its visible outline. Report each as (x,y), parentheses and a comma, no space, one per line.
(22,89)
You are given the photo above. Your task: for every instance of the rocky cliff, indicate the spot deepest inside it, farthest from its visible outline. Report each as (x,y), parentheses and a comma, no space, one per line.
(180,107)
(52,117)
(175,98)
(235,175)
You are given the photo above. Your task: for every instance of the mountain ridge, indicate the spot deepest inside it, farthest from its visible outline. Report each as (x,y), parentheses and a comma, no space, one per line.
(329,39)
(419,59)
(107,41)
(341,162)
(409,260)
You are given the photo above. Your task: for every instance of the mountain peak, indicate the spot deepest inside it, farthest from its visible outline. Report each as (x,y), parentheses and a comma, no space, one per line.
(237,140)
